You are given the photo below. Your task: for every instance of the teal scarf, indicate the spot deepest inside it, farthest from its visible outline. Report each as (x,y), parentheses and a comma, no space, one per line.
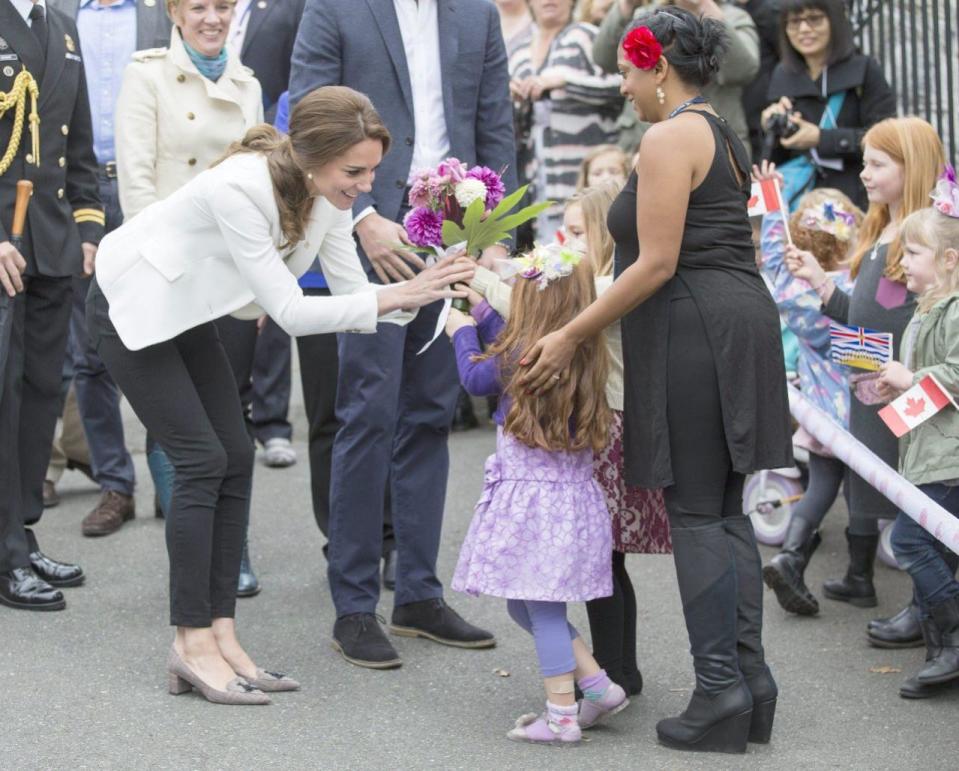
(209,66)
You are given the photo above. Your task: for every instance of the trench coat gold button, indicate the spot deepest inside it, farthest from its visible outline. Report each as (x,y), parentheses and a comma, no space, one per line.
(29,158)
(180,78)
(64,129)
(62,161)
(60,193)
(190,116)
(192,161)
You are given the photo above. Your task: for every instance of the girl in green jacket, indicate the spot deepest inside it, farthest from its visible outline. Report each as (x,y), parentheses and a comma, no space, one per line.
(929,454)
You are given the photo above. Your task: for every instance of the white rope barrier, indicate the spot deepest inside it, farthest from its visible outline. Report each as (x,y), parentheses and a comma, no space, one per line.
(906,496)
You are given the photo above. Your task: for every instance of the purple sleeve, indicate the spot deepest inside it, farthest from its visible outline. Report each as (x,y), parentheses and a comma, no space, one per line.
(479,378)
(488,322)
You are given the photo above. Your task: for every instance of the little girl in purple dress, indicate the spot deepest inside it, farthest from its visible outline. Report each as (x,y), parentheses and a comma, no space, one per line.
(540,534)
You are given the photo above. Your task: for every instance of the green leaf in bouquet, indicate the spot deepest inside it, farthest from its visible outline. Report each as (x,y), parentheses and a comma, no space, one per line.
(452,233)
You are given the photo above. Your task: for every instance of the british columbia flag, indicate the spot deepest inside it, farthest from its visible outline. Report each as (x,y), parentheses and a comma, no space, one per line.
(859,347)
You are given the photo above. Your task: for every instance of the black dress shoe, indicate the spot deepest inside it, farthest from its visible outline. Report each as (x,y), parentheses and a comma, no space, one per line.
(52,571)
(437,621)
(359,639)
(901,631)
(20,588)
(389,570)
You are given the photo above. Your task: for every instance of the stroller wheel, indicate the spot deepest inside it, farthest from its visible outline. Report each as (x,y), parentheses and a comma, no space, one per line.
(884,550)
(768,499)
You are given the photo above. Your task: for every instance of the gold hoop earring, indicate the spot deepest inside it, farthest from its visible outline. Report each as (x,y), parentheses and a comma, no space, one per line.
(660,95)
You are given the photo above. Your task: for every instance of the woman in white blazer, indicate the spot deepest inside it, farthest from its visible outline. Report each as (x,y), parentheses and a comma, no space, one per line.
(179,109)
(232,241)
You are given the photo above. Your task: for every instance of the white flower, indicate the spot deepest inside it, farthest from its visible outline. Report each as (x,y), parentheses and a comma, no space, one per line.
(469,190)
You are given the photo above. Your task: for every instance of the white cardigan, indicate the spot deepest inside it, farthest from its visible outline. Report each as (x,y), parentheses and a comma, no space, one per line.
(212,248)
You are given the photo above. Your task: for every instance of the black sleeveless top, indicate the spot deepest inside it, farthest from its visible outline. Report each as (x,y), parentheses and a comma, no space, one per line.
(717,269)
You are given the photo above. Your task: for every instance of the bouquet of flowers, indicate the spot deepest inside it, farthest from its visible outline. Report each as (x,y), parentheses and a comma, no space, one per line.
(453,205)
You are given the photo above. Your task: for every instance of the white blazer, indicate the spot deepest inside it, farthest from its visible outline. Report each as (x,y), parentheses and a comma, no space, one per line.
(212,248)
(172,123)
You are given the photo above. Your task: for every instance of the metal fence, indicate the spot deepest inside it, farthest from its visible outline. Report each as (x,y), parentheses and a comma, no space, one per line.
(917,43)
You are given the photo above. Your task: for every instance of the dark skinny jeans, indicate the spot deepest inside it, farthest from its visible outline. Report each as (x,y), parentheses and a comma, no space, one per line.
(184,392)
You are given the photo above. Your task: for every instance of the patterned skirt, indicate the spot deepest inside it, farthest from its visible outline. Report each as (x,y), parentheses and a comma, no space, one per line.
(540,530)
(640,525)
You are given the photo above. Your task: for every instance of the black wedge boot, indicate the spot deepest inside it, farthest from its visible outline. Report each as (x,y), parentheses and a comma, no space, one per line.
(785,572)
(749,599)
(720,710)
(856,586)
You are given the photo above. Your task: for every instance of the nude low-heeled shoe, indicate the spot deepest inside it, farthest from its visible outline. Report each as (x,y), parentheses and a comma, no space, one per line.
(182,679)
(272,682)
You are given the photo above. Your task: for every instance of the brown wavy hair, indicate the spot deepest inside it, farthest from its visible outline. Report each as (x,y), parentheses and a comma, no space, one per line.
(914,144)
(324,125)
(573,414)
(829,250)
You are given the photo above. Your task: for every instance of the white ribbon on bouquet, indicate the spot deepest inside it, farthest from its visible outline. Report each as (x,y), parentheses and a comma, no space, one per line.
(907,497)
(448,302)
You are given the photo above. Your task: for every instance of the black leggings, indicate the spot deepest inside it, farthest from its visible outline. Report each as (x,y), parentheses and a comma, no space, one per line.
(612,627)
(825,477)
(184,392)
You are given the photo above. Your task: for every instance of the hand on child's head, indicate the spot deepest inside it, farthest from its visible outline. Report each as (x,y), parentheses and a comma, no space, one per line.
(457,320)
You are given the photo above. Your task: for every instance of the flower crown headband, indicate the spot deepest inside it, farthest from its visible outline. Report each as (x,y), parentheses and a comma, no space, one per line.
(642,48)
(827,217)
(545,263)
(945,197)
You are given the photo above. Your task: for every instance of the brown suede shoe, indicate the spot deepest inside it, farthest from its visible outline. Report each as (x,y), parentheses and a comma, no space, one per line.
(109,514)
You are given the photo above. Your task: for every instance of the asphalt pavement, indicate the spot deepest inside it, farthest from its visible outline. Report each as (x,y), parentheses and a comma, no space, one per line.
(85,688)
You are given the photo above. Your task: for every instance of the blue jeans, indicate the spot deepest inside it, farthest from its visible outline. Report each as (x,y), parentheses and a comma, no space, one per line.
(98,398)
(921,554)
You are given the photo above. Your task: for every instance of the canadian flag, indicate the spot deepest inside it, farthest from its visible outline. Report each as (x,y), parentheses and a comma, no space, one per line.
(764,197)
(915,406)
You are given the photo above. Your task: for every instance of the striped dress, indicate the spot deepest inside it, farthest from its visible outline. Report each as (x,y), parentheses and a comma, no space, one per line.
(569,122)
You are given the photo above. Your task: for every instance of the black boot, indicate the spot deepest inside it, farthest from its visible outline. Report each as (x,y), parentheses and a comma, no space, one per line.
(784,573)
(752,658)
(718,716)
(248,584)
(856,587)
(900,631)
(912,688)
(944,665)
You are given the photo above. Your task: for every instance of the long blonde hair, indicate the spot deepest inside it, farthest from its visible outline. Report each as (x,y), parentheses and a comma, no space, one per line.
(324,125)
(573,414)
(933,230)
(913,144)
(594,202)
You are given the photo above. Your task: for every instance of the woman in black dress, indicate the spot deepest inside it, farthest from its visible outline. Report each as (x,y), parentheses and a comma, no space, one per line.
(705,382)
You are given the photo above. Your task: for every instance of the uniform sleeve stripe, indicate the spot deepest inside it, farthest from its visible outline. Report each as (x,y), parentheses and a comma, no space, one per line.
(97,220)
(90,215)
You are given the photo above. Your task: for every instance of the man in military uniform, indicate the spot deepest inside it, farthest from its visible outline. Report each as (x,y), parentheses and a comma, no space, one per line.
(64,226)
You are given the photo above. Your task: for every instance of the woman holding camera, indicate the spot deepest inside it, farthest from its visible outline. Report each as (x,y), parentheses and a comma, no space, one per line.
(825,96)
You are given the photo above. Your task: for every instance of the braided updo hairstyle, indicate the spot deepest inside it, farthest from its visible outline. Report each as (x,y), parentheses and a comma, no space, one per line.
(693,47)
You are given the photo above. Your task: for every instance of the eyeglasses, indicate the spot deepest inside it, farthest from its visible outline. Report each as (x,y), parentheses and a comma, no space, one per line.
(813,20)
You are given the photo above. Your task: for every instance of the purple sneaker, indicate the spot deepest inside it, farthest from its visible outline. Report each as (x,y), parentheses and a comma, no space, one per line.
(548,728)
(597,705)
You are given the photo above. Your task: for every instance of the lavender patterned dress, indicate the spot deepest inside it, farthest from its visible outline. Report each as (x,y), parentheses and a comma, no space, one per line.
(540,530)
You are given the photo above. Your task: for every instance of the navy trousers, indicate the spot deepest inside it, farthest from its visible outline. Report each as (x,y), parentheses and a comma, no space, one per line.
(395,409)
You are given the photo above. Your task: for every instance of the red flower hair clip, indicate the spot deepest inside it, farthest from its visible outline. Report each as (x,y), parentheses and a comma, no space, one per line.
(642,48)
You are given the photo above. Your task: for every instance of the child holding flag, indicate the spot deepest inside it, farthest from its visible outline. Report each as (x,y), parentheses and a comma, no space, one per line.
(929,381)
(902,158)
(824,224)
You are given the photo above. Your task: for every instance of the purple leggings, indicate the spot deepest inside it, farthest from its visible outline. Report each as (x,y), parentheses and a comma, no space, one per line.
(552,634)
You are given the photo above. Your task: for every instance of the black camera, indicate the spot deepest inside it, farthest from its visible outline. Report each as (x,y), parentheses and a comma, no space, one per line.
(779,126)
